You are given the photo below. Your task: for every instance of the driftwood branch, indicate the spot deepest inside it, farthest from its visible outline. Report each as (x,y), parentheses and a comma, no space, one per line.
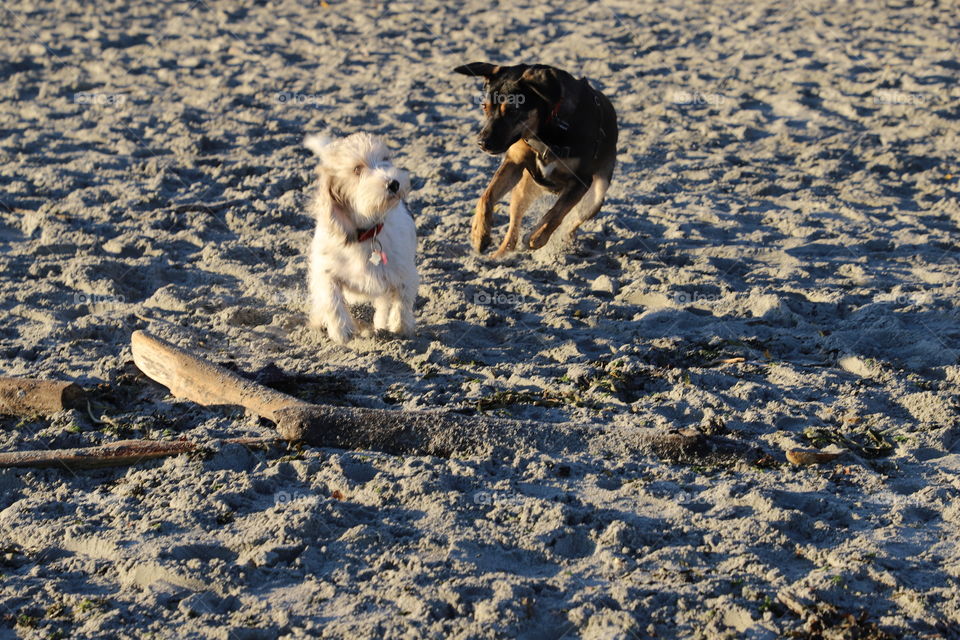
(29,396)
(114,454)
(438,433)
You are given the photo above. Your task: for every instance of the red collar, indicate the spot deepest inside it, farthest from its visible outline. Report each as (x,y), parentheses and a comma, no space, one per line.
(367,234)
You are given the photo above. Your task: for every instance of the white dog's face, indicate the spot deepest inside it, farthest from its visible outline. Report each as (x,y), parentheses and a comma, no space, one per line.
(360,178)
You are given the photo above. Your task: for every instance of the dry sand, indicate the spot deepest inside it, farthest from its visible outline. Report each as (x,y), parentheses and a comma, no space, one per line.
(786,196)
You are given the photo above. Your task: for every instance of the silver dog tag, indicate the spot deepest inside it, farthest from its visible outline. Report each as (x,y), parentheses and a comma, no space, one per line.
(379,256)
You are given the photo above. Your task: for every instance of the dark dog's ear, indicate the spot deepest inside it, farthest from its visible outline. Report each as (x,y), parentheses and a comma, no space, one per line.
(478,69)
(544,81)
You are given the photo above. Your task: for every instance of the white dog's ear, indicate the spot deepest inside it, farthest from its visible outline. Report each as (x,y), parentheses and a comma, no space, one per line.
(330,205)
(328,189)
(317,143)
(328,194)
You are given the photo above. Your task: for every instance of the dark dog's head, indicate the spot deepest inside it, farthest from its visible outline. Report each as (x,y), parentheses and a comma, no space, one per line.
(516,100)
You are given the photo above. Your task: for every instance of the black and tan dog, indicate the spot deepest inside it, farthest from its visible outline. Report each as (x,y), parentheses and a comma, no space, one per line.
(558,135)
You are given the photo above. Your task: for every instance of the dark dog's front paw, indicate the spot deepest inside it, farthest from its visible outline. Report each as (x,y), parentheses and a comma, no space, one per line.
(539,238)
(481,245)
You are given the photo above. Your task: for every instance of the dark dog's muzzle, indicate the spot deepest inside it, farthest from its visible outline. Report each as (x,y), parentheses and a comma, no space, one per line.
(486,145)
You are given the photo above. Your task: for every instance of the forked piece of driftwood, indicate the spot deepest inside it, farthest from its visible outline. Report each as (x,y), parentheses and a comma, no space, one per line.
(437,433)
(419,432)
(30,396)
(114,454)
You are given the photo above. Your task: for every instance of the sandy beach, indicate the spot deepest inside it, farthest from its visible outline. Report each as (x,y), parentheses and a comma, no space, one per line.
(777,264)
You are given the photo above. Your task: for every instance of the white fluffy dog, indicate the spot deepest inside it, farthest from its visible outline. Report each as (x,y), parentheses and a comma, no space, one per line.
(365,243)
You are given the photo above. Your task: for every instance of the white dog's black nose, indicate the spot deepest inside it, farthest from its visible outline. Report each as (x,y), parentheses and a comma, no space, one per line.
(394,186)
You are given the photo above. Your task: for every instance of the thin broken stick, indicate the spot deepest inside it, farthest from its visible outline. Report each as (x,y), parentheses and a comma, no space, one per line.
(114,454)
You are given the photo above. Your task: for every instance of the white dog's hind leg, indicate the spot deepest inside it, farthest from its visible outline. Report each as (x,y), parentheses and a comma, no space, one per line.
(381,312)
(402,321)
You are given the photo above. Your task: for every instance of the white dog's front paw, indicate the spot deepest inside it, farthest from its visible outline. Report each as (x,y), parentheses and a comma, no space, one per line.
(341,329)
(340,335)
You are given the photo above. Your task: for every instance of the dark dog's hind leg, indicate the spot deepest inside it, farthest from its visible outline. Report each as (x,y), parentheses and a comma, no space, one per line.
(593,199)
(554,216)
